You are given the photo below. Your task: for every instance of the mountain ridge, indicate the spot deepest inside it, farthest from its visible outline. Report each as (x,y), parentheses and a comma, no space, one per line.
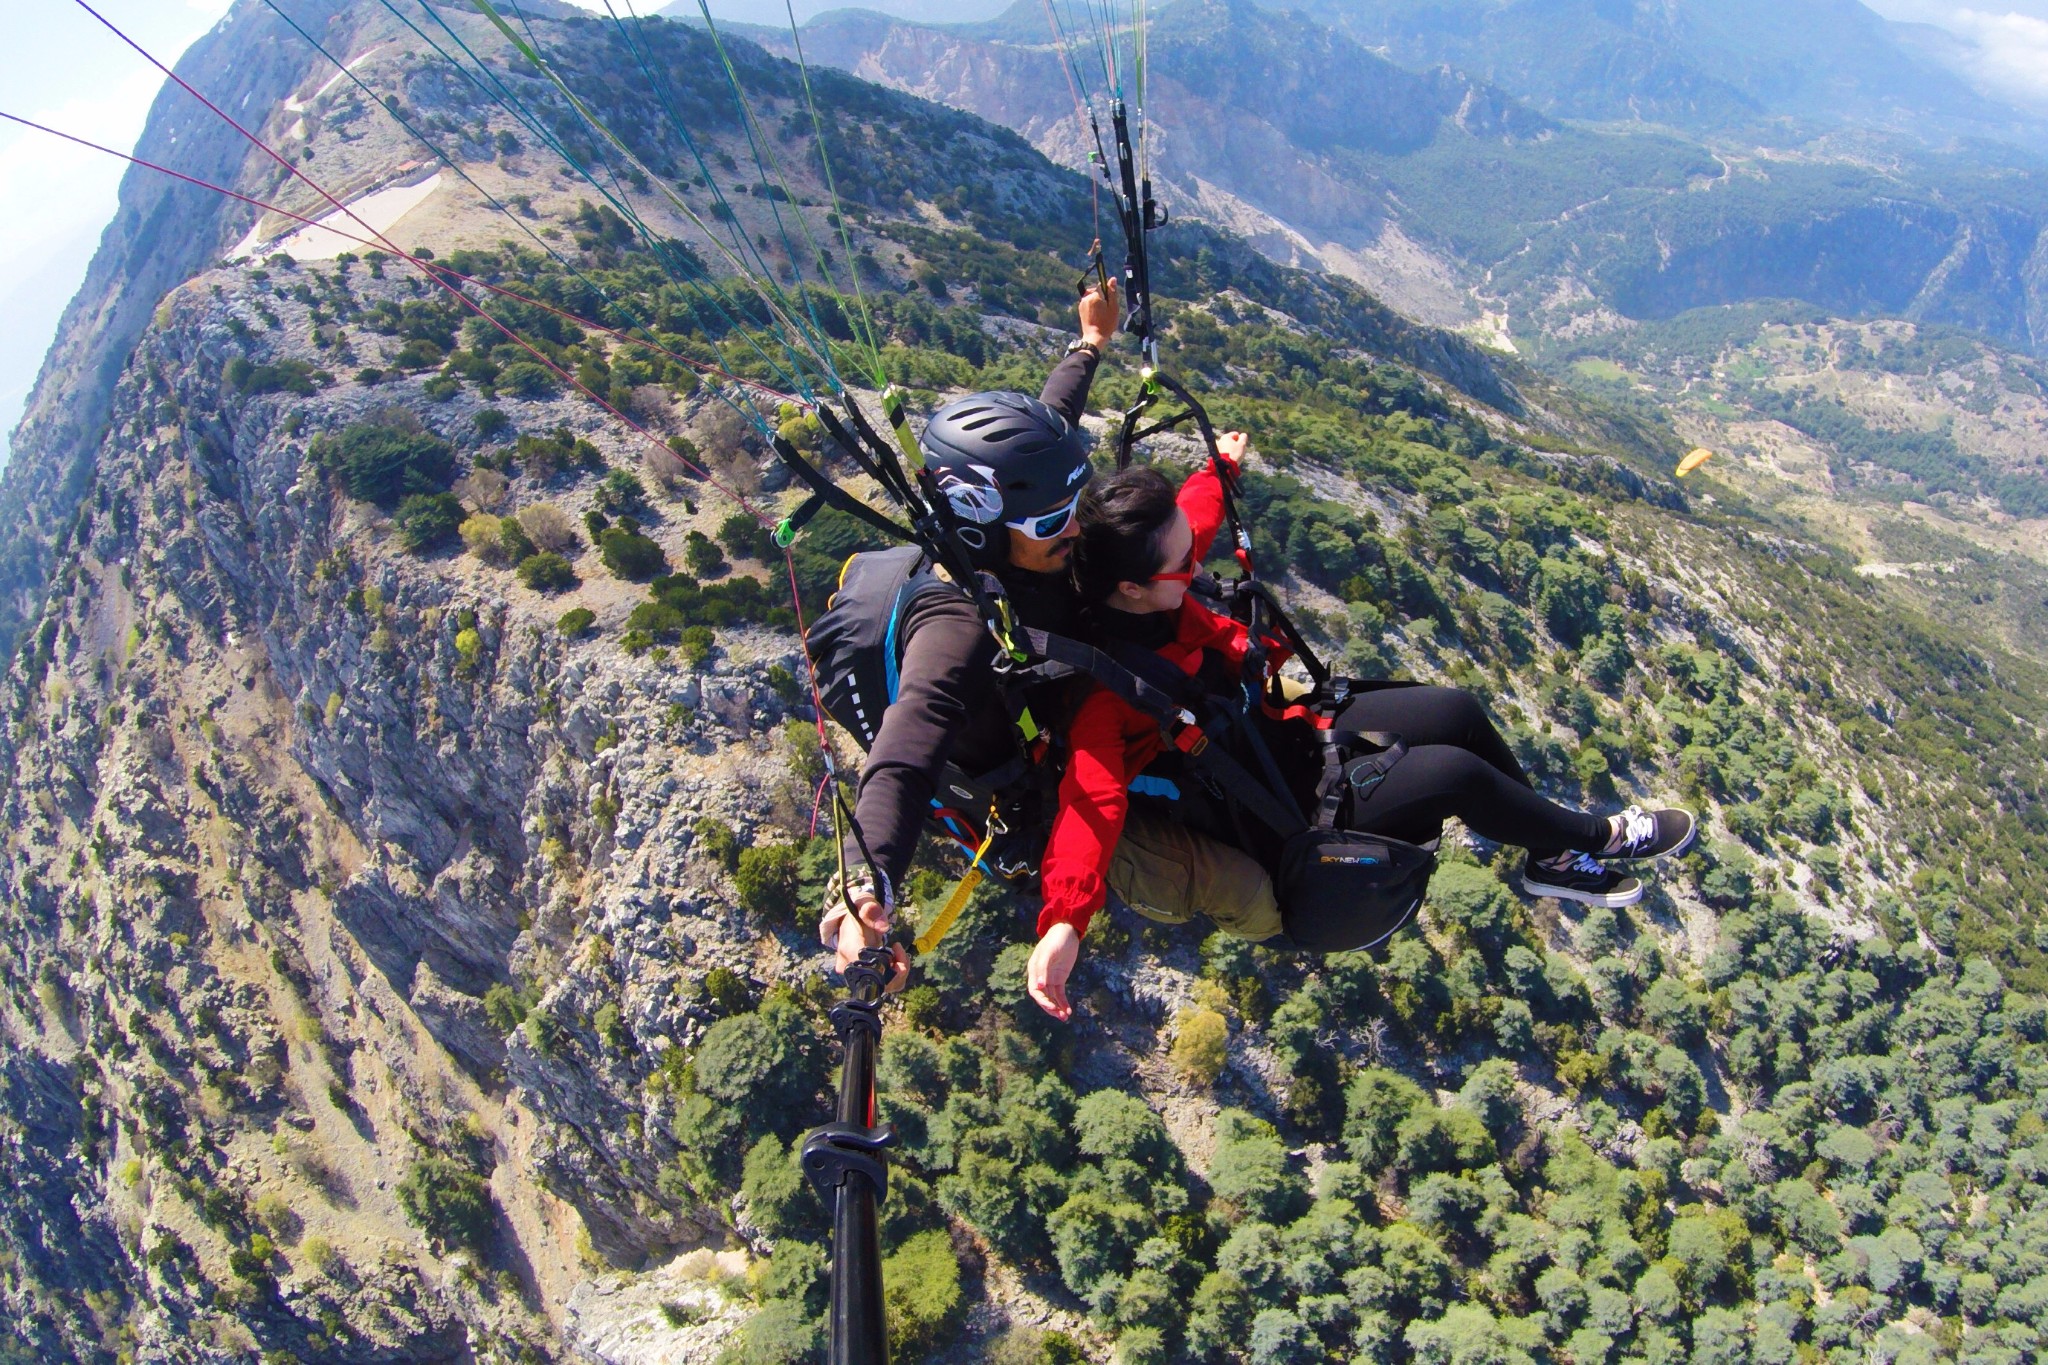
(1692,65)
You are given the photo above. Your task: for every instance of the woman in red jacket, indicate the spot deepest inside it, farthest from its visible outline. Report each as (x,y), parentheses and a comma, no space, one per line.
(1138,550)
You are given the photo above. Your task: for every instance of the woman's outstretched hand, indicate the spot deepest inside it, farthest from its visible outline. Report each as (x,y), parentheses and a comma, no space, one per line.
(1231,447)
(1052,962)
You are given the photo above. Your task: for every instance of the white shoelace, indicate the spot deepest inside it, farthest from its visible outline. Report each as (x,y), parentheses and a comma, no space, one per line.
(1638,829)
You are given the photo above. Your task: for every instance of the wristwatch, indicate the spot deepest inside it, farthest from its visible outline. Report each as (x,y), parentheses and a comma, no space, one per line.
(1078,344)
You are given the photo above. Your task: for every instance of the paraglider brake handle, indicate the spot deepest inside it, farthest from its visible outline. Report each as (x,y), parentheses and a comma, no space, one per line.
(1095,275)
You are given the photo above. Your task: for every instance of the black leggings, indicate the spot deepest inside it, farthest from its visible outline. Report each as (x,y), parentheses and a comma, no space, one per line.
(1457,765)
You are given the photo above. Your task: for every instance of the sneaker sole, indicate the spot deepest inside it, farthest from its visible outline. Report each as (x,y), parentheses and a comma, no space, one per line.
(1606,900)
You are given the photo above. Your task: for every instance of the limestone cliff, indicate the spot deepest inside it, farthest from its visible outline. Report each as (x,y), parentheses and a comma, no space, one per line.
(275,832)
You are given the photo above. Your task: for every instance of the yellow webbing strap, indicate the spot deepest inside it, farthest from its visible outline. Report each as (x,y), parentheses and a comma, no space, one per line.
(1006,631)
(930,938)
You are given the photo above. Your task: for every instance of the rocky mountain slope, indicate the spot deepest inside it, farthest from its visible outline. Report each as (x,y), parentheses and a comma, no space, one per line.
(408,944)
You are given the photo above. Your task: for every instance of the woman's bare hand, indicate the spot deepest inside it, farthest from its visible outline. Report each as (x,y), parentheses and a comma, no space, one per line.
(1231,446)
(1052,962)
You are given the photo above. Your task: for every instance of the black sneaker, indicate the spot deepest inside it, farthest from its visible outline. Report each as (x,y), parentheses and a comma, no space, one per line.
(1653,833)
(1580,877)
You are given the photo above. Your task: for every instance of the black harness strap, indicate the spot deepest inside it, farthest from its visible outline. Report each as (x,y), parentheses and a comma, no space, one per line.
(874,454)
(1297,645)
(833,495)
(1356,774)
(1138,214)
(1177,723)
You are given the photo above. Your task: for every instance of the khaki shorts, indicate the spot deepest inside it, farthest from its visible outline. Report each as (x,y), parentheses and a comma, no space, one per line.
(1169,874)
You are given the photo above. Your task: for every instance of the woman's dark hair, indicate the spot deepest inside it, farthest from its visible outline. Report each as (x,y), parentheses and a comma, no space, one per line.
(1124,519)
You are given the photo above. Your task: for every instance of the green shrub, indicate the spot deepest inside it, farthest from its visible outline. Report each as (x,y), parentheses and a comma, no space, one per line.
(484,539)
(426,521)
(630,555)
(492,423)
(717,841)
(1674,1011)
(1249,1169)
(576,621)
(701,555)
(921,1286)
(1376,1103)
(517,546)
(726,989)
(784,1332)
(383,461)
(779,1201)
(448,1201)
(766,880)
(418,354)
(753,1073)
(547,457)
(286,376)
(743,538)
(547,572)
(610,1026)
(620,491)
(1201,1044)
(252,1262)
(696,644)
(505,1007)
(1569,594)
(526,379)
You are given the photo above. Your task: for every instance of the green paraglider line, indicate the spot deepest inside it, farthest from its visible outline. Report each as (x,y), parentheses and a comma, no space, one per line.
(820,353)
(744,409)
(513,105)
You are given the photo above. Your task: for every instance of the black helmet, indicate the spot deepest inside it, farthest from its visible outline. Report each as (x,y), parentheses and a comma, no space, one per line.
(1002,457)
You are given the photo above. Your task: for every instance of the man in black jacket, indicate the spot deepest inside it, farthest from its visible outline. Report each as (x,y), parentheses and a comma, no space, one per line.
(1013,469)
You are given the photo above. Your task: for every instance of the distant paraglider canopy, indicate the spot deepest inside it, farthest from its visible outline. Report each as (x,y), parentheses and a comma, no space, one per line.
(1698,456)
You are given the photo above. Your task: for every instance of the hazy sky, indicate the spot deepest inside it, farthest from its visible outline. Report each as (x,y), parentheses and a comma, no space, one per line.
(2009,38)
(59,67)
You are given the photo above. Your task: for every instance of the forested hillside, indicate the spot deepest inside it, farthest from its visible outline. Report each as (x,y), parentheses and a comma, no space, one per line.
(413,864)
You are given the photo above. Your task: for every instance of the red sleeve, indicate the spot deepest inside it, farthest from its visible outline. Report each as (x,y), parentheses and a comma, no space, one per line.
(1107,743)
(1201,497)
